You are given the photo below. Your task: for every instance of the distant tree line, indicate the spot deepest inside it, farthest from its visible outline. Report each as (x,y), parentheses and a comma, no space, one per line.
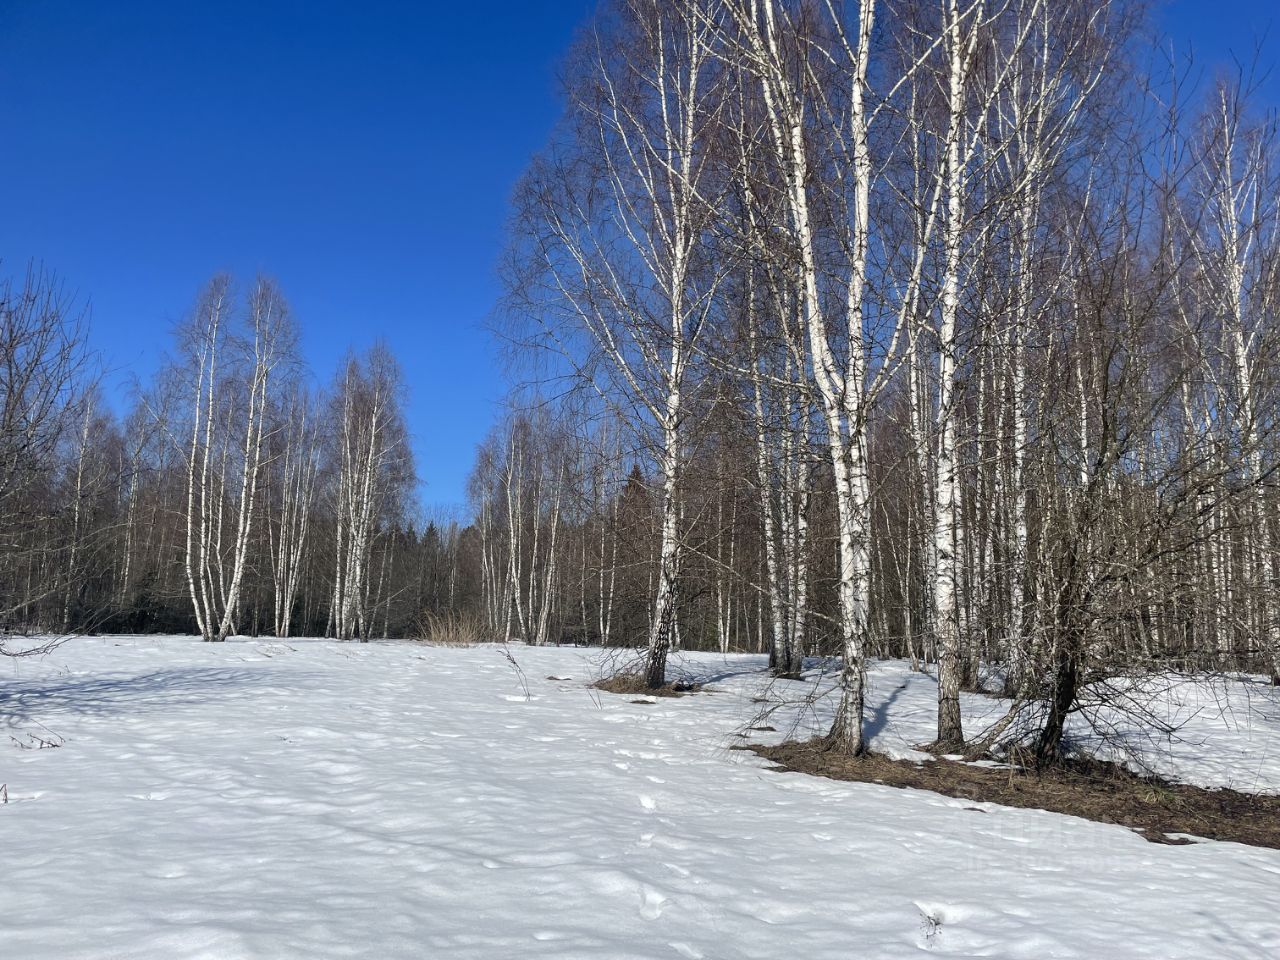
(231,496)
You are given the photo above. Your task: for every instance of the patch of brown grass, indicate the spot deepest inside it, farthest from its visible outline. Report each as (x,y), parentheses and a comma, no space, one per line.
(633,684)
(1092,789)
(452,630)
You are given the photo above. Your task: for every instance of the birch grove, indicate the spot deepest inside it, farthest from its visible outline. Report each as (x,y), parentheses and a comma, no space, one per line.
(234,374)
(949,294)
(372,469)
(935,329)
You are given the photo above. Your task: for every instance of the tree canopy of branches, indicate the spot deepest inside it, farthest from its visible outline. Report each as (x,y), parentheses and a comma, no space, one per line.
(895,328)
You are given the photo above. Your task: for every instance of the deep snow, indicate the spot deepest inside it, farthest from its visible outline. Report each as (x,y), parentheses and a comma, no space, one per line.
(312,799)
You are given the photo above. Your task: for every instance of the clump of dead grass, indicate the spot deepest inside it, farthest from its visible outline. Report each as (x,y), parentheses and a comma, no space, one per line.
(630,683)
(452,629)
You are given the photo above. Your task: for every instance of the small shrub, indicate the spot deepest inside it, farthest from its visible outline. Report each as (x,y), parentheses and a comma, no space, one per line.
(452,629)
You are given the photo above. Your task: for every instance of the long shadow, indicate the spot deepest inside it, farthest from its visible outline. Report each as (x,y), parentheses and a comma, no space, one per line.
(751,667)
(878,718)
(102,695)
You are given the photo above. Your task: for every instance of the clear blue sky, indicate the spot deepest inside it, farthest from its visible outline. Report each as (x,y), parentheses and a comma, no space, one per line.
(361,152)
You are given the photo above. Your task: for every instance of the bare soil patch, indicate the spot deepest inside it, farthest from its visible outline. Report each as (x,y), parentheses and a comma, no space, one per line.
(633,684)
(1093,789)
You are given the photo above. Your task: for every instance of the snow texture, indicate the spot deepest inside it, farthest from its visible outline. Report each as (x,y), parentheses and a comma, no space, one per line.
(320,800)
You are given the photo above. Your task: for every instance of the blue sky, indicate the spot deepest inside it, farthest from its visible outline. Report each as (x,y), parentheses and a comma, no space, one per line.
(362,153)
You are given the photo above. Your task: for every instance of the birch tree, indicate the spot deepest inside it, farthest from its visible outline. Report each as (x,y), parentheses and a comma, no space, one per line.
(293,477)
(232,376)
(618,219)
(813,68)
(372,471)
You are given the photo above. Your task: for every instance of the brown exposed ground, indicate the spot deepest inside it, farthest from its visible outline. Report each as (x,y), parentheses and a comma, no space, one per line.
(633,684)
(1092,789)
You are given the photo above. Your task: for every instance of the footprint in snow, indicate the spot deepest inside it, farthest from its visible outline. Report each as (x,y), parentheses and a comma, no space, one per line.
(652,903)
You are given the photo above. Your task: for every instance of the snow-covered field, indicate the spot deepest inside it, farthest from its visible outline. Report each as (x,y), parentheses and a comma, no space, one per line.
(312,799)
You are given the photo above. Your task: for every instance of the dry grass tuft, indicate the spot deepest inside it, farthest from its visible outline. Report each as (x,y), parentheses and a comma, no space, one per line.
(629,683)
(452,630)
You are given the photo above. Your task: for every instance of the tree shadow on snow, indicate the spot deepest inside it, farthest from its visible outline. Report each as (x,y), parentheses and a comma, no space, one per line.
(877,718)
(100,695)
(702,674)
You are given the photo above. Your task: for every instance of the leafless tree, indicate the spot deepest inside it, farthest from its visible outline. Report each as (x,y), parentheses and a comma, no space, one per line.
(373,469)
(46,376)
